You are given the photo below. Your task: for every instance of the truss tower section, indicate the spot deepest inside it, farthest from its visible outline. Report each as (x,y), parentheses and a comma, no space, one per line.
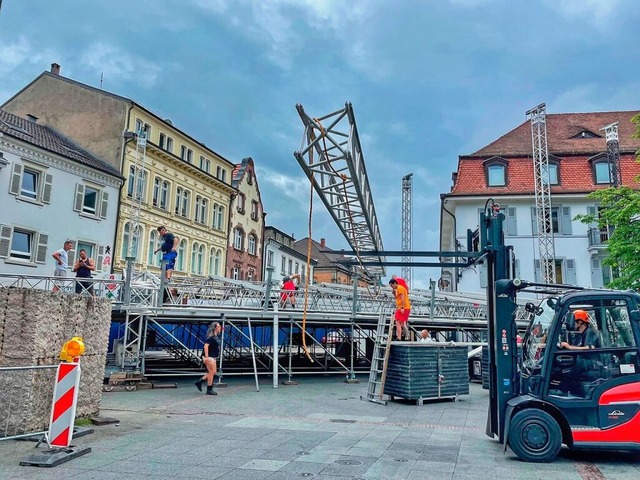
(136,195)
(331,156)
(613,154)
(544,213)
(407,225)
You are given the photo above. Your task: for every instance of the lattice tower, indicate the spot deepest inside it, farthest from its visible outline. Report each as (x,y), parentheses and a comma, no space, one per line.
(613,154)
(136,194)
(544,213)
(407,224)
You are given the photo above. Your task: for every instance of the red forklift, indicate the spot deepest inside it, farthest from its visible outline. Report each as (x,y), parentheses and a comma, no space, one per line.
(578,380)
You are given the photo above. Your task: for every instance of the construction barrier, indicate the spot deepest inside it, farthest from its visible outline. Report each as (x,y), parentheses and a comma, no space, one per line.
(63,406)
(24,400)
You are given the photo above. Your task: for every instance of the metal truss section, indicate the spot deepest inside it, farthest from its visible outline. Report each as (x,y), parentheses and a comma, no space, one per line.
(546,246)
(613,154)
(407,224)
(137,194)
(332,159)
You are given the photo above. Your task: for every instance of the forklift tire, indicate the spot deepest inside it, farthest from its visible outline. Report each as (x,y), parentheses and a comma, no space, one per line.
(535,436)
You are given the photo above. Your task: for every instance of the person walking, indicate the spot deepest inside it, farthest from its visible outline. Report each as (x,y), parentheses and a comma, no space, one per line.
(169,249)
(211,354)
(401,281)
(288,292)
(62,259)
(403,307)
(83,268)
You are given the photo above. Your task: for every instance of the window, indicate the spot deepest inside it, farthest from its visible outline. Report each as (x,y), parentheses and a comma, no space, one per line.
(511,220)
(183,152)
(290,267)
(284,266)
(496,172)
(250,276)
(217,262)
(218,217)
(30,183)
(241,200)
(140,179)
(254,210)
(183,197)
(126,237)
(153,259)
(238,238)
(565,270)
(194,259)
(143,127)
(560,220)
(205,164)
(22,245)
(182,250)
(252,245)
(221,174)
(162,140)
(189,155)
(91,201)
(160,193)
(270,258)
(297,269)
(169,145)
(156,191)
(236,273)
(602,172)
(550,175)
(201,209)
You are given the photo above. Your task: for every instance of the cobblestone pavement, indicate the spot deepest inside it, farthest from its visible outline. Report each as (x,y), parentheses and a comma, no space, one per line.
(319,429)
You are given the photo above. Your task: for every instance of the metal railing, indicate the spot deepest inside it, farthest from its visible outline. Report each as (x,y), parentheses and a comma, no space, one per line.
(598,237)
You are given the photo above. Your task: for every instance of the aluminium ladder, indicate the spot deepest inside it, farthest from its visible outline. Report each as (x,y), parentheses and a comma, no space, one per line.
(379,360)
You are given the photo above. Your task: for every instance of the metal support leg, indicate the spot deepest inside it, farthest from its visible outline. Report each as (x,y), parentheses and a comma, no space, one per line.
(289,381)
(276,328)
(220,383)
(351,376)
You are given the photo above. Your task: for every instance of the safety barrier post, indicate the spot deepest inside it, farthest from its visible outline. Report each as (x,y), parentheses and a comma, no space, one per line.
(63,410)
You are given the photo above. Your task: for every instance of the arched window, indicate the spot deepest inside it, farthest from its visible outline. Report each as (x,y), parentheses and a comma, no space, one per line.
(217,263)
(200,260)
(153,259)
(220,219)
(126,238)
(252,245)
(182,250)
(194,259)
(212,254)
(238,238)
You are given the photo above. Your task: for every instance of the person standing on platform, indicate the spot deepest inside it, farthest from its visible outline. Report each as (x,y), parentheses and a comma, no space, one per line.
(83,268)
(288,292)
(169,249)
(210,357)
(401,281)
(62,259)
(403,308)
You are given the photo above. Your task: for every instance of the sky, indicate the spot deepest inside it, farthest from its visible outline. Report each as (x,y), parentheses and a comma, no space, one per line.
(428,80)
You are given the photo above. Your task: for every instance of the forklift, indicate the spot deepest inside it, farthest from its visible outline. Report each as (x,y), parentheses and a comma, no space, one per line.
(578,380)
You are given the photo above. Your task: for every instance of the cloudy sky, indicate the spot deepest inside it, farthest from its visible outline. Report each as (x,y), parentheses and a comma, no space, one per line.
(429,80)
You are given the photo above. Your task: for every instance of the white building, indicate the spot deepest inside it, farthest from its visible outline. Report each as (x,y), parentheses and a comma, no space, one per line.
(503,171)
(280,254)
(52,190)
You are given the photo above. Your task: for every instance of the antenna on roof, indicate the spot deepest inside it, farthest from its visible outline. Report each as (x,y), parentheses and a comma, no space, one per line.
(101,78)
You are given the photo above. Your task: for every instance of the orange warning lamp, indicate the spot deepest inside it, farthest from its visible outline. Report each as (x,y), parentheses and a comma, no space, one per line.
(72,349)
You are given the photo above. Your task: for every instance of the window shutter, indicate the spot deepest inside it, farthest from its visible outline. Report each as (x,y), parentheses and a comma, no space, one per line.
(512,224)
(16,179)
(46,191)
(596,273)
(104,204)
(538,273)
(566,220)
(72,253)
(534,222)
(571,271)
(79,197)
(5,240)
(99,258)
(483,275)
(41,253)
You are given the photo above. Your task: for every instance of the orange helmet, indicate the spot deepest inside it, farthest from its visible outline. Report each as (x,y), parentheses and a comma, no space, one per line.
(581,315)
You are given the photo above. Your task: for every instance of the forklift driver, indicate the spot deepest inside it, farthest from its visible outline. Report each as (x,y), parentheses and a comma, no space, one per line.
(588,337)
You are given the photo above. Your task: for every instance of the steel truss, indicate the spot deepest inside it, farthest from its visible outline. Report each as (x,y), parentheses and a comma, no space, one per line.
(613,154)
(332,159)
(542,182)
(407,225)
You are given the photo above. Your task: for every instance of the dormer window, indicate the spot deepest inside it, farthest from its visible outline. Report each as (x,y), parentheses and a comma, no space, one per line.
(601,169)
(586,134)
(552,174)
(496,172)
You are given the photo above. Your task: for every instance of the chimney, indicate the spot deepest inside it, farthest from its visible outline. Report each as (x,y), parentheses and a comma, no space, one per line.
(323,244)
(32,118)
(55,69)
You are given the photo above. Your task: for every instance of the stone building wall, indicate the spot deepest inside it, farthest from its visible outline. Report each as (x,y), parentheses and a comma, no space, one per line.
(34,325)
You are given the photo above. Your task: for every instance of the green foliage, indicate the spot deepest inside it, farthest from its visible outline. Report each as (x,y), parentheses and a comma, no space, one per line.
(620,214)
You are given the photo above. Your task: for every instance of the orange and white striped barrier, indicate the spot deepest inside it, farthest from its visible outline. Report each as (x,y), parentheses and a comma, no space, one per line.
(63,408)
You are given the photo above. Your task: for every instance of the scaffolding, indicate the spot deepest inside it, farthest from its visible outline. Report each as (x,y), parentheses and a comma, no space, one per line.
(407,226)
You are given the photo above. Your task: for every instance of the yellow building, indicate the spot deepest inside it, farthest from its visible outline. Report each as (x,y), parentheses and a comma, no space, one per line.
(186,186)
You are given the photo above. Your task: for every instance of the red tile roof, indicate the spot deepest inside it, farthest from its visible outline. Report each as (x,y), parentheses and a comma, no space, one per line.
(575,170)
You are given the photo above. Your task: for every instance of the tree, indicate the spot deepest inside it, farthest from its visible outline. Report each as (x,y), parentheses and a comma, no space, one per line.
(620,214)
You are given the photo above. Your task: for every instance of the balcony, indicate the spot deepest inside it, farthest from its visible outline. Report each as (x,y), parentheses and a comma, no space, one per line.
(598,238)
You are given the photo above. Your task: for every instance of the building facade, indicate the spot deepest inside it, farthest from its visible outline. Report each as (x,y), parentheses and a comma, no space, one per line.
(279,253)
(503,171)
(246,225)
(52,190)
(184,186)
